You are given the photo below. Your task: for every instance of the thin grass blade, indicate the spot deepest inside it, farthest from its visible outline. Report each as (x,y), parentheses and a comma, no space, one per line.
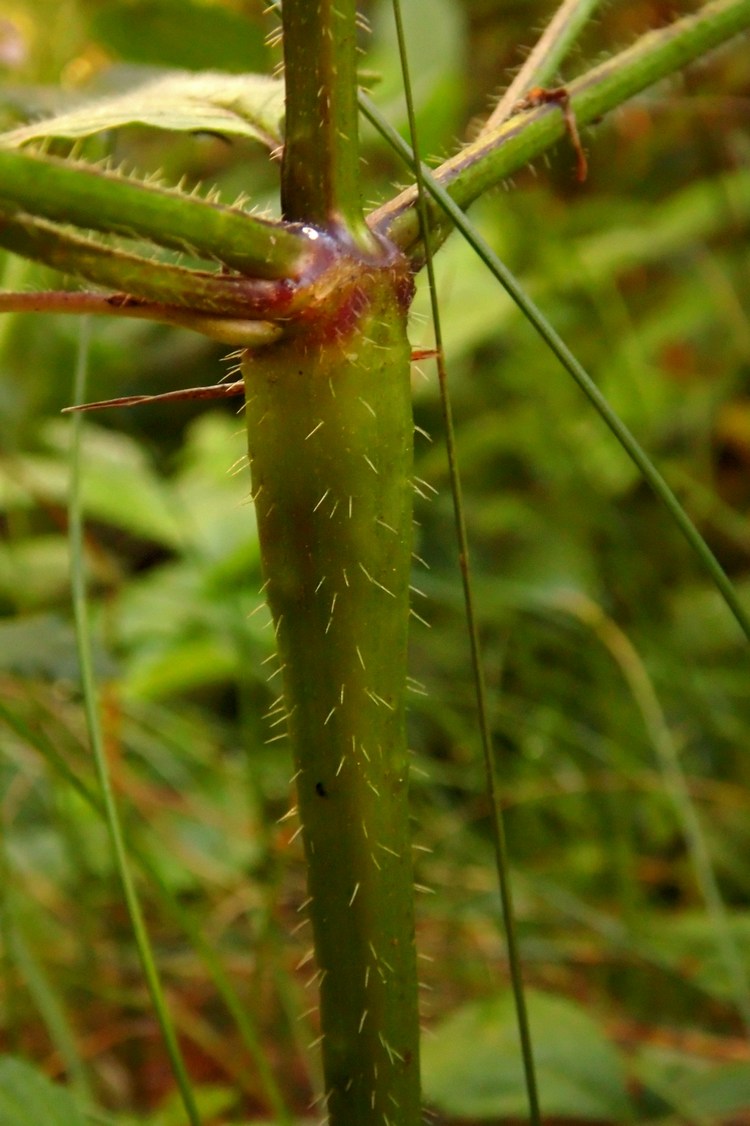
(112,817)
(498,828)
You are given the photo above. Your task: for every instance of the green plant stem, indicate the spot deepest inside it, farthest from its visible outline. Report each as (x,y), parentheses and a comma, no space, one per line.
(502,860)
(320,169)
(112,817)
(197,290)
(495,156)
(560,349)
(226,329)
(330,439)
(70,192)
(543,63)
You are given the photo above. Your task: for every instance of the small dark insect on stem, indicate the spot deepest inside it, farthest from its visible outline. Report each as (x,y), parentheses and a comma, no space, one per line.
(558,96)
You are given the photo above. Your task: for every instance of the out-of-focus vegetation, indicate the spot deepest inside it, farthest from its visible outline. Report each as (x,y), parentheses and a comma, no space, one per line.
(619,684)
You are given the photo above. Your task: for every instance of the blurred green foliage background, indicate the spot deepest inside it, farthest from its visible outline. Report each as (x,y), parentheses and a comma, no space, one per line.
(619,685)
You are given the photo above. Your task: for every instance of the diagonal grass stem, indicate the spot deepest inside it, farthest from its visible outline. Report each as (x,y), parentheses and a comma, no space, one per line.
(559,348)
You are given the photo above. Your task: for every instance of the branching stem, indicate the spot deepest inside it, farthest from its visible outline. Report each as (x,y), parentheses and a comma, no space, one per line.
(497,155)
(542,65)
(70,192)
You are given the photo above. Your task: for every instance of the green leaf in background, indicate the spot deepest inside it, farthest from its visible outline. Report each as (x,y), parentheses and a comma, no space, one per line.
(212,1100)
(250,105)
(120,486)
(721,1090)
(30,1099)
(436,73)
(33,572)
(472,1068)
(44,645)
(178,621)
(690,1087)
(688,942)
(184,33)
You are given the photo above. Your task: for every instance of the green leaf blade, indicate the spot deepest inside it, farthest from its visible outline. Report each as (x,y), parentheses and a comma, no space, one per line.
(30,1099)
(472,1069)
(250,106)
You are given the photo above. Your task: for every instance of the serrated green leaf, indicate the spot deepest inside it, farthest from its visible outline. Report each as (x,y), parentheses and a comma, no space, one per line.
(249,105)
(472,1064)
(30,1099)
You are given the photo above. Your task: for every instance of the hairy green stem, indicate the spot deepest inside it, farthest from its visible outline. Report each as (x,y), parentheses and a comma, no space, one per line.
(320,169)
(542,64)
(230,295)
(558,347)
(495,156)
(322,134)
(69,192)
(330,439)
(227,330)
